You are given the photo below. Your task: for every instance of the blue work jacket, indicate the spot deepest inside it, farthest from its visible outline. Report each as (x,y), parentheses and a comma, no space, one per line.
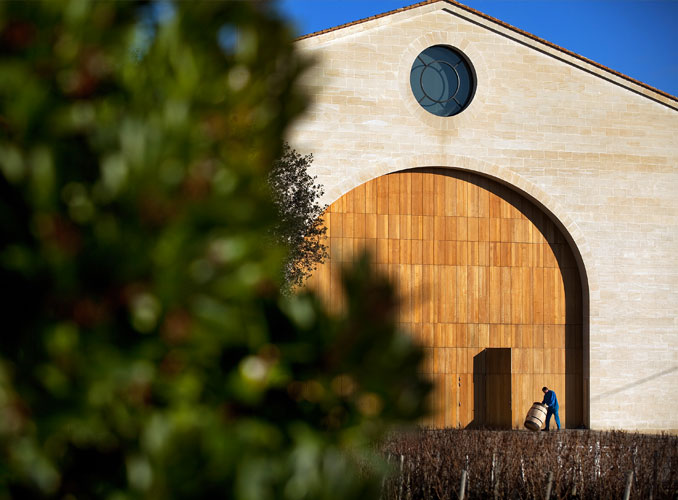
(550,400)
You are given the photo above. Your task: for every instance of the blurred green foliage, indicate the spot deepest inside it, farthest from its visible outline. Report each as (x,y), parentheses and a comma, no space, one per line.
(145,349)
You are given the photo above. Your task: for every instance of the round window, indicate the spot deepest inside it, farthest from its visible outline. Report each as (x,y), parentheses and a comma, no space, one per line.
(442,81)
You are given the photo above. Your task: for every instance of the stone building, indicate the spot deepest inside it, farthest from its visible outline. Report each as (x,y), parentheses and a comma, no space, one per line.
(523,200)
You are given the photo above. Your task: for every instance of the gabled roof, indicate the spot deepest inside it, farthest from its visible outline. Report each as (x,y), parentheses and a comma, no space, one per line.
(503,24)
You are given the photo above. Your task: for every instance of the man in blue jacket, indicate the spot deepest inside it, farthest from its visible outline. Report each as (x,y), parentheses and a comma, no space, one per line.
(551,402)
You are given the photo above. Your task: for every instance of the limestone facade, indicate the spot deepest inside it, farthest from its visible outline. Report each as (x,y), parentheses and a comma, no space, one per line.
(597,151)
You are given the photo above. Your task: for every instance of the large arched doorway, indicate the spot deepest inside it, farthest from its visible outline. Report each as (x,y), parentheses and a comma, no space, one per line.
(488,285)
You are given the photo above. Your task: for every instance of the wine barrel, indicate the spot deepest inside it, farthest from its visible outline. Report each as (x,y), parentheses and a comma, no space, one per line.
(535,417)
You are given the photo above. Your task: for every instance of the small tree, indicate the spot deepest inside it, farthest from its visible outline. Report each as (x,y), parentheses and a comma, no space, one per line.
(299,226)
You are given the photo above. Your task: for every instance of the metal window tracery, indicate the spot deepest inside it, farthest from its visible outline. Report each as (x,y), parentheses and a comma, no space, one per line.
(442,81)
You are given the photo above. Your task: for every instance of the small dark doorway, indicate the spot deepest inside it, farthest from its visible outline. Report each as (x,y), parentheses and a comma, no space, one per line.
(492,388)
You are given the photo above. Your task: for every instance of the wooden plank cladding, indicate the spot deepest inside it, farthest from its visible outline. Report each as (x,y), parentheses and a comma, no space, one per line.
(477,267)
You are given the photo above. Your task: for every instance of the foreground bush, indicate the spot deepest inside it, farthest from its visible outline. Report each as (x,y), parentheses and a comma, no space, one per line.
(516,464)
(145,350)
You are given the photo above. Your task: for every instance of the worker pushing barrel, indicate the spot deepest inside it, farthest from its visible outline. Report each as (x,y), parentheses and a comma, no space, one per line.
(551,402)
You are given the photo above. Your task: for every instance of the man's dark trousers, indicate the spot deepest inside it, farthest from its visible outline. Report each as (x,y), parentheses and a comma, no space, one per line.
(550,411)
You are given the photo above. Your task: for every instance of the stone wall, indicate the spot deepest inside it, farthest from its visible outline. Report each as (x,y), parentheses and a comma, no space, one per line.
(595,150)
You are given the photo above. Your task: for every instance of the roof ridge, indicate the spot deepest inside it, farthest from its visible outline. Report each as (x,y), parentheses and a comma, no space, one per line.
(502,23)
(365,19)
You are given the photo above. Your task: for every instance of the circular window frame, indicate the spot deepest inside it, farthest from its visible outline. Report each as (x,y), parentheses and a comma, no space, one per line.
(474,111)
(472,81)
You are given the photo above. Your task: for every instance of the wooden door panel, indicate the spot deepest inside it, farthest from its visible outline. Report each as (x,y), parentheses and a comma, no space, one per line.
(476,266)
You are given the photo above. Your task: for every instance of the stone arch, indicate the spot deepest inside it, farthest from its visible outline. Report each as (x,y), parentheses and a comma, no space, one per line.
(470,341)
(504,175)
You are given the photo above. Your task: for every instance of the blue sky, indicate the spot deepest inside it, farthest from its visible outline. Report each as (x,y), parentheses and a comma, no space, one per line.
(638,38)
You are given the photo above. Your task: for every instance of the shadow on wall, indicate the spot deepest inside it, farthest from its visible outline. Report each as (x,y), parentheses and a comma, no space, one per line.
(635,384)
